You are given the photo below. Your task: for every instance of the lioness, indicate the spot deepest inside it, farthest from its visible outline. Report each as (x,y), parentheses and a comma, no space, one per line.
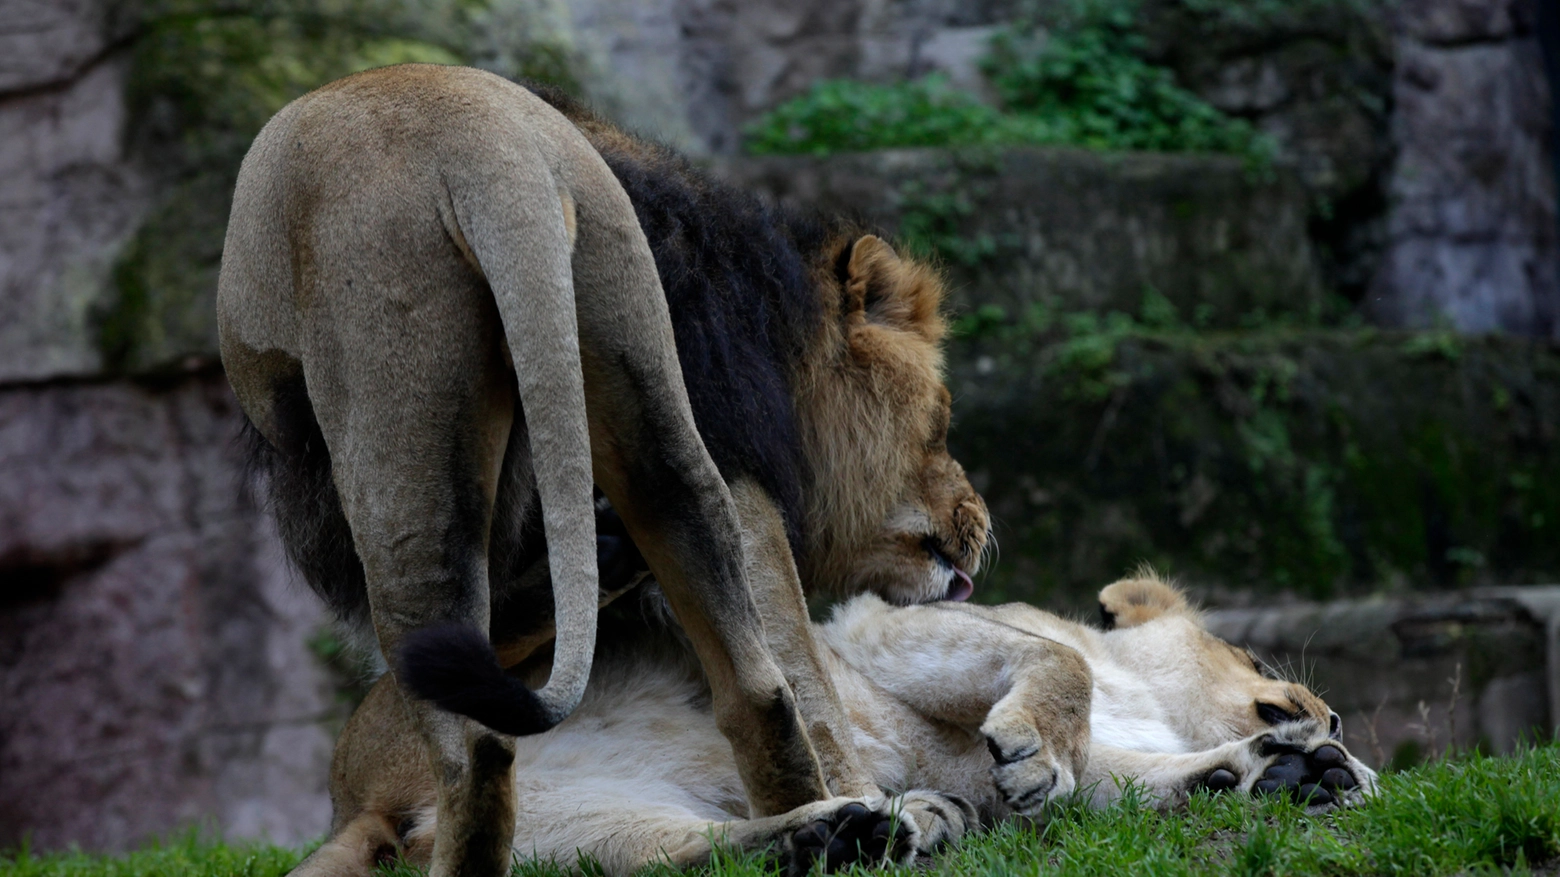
(447,309)
(1005,707)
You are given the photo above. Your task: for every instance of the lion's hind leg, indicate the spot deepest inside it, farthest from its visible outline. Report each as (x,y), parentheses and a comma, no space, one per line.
(413,400)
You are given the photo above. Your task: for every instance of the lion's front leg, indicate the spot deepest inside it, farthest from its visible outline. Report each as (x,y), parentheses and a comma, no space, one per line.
(777,589)
(1031,767)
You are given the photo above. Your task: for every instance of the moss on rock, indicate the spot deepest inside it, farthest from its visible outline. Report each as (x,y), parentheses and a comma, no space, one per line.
(1312,462)
(206,76)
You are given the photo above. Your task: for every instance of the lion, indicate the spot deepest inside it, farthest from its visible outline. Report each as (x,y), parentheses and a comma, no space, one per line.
(450,308)
(1004,709)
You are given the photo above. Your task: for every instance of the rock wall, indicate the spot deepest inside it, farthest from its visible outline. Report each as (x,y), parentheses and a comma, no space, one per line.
(69,192)
(1071,230)
(154,667)
(693,72)
(1472,234)
(1420,131)
(1252,465)
(153,657)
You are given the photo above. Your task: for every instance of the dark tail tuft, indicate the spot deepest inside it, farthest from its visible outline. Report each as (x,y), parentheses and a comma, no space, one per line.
(453,667)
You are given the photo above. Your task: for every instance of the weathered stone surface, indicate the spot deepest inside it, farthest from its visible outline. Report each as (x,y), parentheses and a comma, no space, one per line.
(1412,676)
(70,198)
(1461,21)
(1315,76)
(1317,463)
(153,663)
(1077,230)
(47,42)
(1473,234)
(693,72)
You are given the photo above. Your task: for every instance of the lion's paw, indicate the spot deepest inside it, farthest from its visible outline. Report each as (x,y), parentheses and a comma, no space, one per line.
(847,831)
(1028,772)
(1299,760)
(939,818)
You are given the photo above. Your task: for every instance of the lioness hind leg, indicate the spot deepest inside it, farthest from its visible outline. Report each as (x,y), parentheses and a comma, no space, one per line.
(841,832)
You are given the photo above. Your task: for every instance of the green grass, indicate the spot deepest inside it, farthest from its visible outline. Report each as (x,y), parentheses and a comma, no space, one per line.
(1470,815)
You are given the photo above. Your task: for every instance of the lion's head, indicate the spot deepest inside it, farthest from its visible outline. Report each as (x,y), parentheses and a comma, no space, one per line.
(889,511)
(1215,691)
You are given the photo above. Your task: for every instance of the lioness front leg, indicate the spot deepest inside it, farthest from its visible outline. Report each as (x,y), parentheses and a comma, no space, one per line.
(1297,758)
(1026,695)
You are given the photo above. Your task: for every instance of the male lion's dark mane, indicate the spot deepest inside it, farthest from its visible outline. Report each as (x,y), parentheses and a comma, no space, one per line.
(739,275)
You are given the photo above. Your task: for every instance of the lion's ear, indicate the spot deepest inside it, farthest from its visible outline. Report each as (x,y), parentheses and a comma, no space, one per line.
(885,290)
(1140,599)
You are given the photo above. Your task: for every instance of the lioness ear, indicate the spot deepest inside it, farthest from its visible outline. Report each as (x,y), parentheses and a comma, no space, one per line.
(1140,599)
(885,290)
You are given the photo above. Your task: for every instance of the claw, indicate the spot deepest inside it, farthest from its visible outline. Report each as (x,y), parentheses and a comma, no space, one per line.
(1313,795)
(1338,778)
(1329,756)
(1221,780)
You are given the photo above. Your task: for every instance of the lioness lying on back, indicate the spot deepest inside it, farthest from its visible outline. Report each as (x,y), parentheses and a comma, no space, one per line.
(1007,707)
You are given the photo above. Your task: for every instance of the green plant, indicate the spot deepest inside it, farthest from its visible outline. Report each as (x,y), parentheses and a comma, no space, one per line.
(842,115)
(1082,83)
(1085,83)
(930,222)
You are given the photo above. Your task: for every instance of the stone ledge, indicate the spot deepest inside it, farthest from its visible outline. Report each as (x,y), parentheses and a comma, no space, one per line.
(1078,230)
(1411,674)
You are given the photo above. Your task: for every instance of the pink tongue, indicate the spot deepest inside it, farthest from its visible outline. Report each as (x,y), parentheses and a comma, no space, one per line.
(962,587)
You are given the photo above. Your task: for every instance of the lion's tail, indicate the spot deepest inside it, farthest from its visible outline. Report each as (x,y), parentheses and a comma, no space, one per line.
(517,222)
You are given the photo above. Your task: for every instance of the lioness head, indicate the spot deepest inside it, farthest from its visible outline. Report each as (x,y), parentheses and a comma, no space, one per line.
(889,511)
(1215,691)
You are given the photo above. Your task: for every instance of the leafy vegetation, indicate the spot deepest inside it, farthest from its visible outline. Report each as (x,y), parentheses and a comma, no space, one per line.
(1470,814)
(1315,462)
(1083,82)
(843,115)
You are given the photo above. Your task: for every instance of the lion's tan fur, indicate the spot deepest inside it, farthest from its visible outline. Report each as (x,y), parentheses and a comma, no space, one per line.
(875,415)
(1007,707)
(420,254)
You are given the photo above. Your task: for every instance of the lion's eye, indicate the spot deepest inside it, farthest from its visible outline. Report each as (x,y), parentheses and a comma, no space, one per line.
(1273,715)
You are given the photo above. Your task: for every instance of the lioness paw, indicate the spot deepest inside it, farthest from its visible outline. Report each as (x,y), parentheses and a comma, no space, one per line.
(939,817)
(1027,771)
(1297,759)
(842,832)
